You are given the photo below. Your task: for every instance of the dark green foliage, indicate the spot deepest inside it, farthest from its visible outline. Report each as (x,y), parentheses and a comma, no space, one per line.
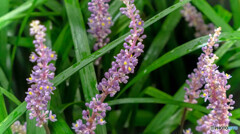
(152,100)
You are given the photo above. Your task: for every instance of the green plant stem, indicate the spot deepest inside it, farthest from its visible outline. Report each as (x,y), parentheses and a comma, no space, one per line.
(183,120)
(47,129)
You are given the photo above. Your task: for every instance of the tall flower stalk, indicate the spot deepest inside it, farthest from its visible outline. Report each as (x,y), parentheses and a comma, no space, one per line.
(41,88)
(99,22)
(197,78)
(215,91)
(195,19)
(125,63)
(215,86)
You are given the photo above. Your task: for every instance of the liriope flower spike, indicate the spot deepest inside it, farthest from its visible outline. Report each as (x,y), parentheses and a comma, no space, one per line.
(215,91)
(99,22)
(125,63)
(197,78)
(195,19)
(17,128)
(41,88)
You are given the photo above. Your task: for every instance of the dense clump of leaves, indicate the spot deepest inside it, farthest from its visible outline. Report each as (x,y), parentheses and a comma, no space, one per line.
(170,53)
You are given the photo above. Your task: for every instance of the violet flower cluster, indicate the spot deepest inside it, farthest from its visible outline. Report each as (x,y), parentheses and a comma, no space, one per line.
(215,86)
(41,88)
(195,19)
(99,22)
(215,91)
(17,128)
(197,78)
(125,63)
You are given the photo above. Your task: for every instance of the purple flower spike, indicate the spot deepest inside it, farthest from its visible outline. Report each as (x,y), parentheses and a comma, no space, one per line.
(215,86)
(197,78)
(195,19)
(125,63)
(215,92)
(99,22)
(41,88)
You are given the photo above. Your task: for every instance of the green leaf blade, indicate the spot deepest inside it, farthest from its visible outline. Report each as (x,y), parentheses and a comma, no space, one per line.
(12,117)
(212,15)
(82,50)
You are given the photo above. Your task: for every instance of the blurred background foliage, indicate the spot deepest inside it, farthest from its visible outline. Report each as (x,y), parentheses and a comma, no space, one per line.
(152,100)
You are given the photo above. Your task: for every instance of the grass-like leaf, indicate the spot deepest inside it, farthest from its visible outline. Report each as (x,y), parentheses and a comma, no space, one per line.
(164,101)
(236,113)
(77,66)
(114,7)
(156,93)
(10,96)
(3,111)
(4,7)
(158,101)
(59,45)
(225,14)
(12,117)
(23,42)
(60,127)
(65,106)
(225,47)
(3,81)
(235,6)
(7,19)
(234,64)
(165,12)
(82,50)
(212,15)
(235,121)
(176,53)
(159,121)
(4,50)
(23,24)
(54,5)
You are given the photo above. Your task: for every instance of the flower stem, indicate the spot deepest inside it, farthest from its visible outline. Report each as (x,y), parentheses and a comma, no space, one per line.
(46,129)
(183,120)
